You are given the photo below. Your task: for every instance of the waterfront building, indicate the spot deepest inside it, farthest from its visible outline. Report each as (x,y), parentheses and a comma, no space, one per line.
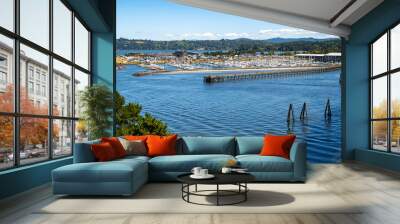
(334,57)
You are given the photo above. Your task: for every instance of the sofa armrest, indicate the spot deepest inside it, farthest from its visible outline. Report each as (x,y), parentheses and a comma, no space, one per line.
(83,152)
(298,155)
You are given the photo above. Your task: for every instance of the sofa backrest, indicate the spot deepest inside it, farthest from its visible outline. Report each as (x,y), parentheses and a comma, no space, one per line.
(83,152)
(249,144)
(191,146)
(207,145)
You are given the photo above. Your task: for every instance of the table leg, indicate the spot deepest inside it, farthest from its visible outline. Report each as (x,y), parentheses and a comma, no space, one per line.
(182,188)
(245,193)
(188,190)
(217,194)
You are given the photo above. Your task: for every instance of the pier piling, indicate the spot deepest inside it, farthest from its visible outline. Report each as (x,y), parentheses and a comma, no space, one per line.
(290,117)
(328,111)
(304,113)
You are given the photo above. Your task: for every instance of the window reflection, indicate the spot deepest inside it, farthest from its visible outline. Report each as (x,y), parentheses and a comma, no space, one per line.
(62,138)
(6,74)
(395,136)
(35,94)
(7,14)
(34,21)
(395,47)
(33,140)
(379,135)
(385,139)
(62,89)
(34,89)
(395,95)
(379,56)
(62,29)
(379,99)
(6,142)
(81,131)
(81,82)
(81,45)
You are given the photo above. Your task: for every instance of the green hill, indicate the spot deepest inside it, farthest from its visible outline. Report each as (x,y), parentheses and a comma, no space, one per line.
(309,45)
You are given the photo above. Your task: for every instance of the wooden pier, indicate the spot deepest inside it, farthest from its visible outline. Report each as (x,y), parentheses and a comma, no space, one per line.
(282,73)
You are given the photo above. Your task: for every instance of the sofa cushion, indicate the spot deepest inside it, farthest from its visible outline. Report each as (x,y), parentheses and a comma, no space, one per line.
(185,163)
(257,163)
(112,171)
(208,145)
(133,158)
(249,145)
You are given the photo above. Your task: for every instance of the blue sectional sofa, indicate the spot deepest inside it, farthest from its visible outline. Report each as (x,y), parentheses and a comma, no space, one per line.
(125,176)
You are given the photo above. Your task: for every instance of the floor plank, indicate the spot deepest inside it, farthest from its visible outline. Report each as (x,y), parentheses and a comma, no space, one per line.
(378,189)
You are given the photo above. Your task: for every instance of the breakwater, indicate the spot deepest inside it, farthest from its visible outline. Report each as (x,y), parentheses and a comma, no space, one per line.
(281,73)
(149,72)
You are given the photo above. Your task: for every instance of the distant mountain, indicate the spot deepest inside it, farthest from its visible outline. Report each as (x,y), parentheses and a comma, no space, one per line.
(311,45)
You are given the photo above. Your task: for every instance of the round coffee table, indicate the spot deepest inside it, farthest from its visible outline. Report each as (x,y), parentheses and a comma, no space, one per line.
(238,179)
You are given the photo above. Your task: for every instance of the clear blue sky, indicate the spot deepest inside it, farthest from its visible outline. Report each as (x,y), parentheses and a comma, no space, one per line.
(164,20)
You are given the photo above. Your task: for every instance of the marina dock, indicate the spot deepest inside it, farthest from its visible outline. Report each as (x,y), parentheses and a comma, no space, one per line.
(282,73)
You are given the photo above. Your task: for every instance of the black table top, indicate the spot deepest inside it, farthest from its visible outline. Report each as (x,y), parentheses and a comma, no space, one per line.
(220,178)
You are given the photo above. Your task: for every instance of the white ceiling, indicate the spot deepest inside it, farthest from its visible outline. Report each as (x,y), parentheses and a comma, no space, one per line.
(321,9)
(326,16)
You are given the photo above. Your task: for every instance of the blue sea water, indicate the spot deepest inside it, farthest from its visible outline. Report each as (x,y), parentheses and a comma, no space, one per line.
(239,108)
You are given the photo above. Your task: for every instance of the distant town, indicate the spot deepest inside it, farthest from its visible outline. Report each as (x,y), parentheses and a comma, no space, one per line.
(240,55)
(196,61)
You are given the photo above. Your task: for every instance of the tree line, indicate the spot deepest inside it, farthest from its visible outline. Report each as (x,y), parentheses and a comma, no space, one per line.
(243,45)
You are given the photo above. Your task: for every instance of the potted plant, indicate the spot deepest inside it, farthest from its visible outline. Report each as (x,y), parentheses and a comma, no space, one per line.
(96,103)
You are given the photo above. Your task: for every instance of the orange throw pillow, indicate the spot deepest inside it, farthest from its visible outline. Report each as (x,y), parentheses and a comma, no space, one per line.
(161,145)
(277,145)
(116,145)
(103,152)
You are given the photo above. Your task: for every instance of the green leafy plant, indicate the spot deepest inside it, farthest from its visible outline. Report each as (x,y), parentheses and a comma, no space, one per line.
(97,110)
(130,121)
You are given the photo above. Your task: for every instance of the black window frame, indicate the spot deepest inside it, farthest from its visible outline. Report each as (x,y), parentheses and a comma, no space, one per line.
(388,74)
(16,114)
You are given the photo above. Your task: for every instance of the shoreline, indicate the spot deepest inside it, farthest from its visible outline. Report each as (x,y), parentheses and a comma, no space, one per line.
(211,71)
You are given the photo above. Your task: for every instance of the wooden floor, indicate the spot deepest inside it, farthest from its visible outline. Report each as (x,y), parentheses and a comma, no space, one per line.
(377,188)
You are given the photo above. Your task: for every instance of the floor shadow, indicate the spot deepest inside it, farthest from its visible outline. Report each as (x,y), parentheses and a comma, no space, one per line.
(148,191)
(256,198)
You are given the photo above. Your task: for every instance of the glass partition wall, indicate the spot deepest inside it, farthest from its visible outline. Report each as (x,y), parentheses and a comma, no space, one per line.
(44,64)
(385,91)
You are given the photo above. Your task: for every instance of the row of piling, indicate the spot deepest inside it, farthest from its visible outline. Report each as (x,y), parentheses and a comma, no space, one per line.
(304,113)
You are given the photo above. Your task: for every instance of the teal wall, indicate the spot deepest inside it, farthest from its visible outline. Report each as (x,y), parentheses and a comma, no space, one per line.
(103,59)
(99,15)
(103,63)
(379,159)
(24,178)
(356,94)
